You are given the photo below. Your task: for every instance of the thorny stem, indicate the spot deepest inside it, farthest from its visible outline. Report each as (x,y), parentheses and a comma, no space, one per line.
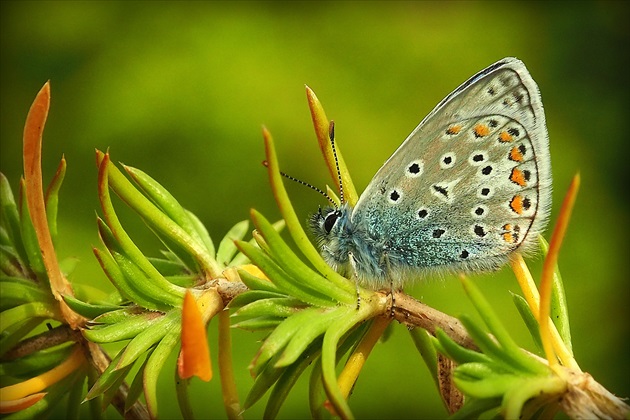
(412,313)
(47,339)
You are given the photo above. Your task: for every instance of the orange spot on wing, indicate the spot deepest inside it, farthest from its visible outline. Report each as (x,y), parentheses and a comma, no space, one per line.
(505,137)
(454,129)
(518,177)
(516,204)
(515,154)
(481,130)
(510,233)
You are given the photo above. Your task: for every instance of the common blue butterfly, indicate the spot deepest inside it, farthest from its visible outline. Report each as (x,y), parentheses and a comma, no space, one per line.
(468,187)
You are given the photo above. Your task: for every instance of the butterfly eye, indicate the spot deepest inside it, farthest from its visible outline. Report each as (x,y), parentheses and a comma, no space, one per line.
(330,220)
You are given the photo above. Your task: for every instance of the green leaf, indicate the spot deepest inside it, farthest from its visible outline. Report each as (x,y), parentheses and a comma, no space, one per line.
(492,386)
(31,243)
(148,287)
(263,382)
(88,310)
(287,380)
(241,259)
(52,198)
(256,283)
(151,214)
(154,365)
(183,399)
(36,363)
(18,293)
(109,376)
(530,320)
(94,404)
(134,280)
(473,408)
(252,296)
(293,224)
(11,215)
(13,334)
(186,281)
(123,330)
(510,360)
(167,267)
(312,329)
(421,339)
(202,233)
(24,312)
(559,312)
(164,200)
(281,336)
(75,396)
(278,307)
(329,359)
(180,252)
(227,249)
(5,240)
(296,269)
(113,389)
(527,388)
(118,315)
(458,353)
(149,336)
(259,323)
(108,173)
(10,264)
(476,371)
(120,281)
(135,389)
(489,317)
(510,352)
(316,394)
(283,281)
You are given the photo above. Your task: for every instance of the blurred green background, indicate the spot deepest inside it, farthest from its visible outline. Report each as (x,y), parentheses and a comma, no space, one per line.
(181,89)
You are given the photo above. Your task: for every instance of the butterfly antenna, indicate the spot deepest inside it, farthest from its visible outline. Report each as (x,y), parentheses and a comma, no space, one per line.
(331,135)
(306,184)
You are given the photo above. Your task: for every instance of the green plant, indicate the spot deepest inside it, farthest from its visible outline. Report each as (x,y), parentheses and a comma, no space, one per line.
(311,314)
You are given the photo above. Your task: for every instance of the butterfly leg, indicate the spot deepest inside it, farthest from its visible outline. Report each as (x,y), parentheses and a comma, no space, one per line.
(353,262)
(391,283)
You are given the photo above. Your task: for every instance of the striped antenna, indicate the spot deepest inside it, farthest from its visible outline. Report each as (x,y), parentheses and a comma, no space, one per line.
(331,136)
(306,184)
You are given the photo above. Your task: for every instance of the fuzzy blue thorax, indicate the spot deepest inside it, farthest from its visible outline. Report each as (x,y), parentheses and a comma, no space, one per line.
(338,240)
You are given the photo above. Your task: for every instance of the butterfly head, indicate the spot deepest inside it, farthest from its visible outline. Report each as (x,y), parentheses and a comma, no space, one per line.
(331,227)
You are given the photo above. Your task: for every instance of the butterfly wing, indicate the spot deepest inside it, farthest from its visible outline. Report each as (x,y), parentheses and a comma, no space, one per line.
(471,183)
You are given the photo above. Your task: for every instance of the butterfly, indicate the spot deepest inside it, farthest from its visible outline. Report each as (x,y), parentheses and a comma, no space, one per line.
(469,187)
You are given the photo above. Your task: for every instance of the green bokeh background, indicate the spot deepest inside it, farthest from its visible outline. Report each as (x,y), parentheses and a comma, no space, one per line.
(181,90)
